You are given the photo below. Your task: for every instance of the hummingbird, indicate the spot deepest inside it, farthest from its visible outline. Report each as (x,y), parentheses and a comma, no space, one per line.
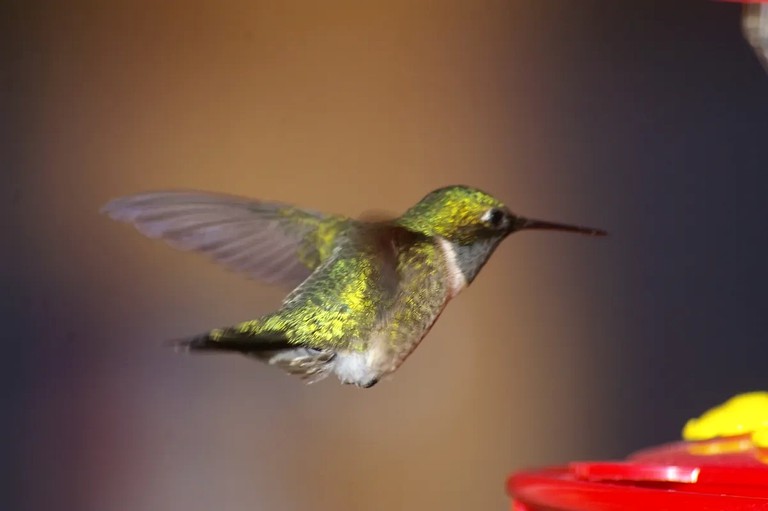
(364,292)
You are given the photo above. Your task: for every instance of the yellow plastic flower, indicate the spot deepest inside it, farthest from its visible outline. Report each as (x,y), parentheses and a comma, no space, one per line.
(744,414)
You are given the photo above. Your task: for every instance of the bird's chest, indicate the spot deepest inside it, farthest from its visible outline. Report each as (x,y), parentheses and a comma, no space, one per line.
(389,345)
(429,279)
(382,355)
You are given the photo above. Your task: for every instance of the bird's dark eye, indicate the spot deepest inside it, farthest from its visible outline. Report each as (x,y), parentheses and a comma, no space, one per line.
(495,217)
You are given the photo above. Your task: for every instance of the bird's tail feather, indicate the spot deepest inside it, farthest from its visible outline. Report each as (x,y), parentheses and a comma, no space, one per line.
(310,364)
(231,341)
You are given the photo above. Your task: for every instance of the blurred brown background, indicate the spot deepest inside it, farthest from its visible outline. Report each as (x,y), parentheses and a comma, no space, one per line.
(345,107)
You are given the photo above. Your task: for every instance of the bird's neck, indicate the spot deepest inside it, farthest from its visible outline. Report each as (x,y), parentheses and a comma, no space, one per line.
(464,262)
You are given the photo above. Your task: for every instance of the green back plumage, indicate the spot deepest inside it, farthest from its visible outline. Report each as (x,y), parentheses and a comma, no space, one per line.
(341,301)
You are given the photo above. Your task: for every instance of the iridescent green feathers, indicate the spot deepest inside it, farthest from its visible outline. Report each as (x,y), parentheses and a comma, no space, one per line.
(343,301)
(453,212)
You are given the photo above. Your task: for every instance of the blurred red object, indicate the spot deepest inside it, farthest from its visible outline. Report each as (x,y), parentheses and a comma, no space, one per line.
(721,465)
(721,474)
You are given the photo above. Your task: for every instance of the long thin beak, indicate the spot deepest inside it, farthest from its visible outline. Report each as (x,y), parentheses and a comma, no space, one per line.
(526,223)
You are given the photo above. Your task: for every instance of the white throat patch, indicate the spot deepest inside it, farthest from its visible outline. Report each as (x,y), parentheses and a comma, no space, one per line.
(456,279)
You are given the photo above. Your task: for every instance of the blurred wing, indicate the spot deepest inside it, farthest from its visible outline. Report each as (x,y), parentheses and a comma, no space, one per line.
(423,292)
(755,29)
(272,242)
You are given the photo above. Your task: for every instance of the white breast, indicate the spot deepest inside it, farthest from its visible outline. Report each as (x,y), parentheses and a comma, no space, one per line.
(455,277)
(355,367)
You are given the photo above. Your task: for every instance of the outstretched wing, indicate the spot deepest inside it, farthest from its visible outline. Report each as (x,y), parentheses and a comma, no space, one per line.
(269,241)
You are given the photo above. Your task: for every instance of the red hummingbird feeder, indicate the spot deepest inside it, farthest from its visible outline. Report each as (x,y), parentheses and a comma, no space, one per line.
(721,465)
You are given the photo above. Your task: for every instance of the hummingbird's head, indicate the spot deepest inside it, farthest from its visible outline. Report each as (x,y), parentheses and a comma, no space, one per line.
(459,214)
(474,223)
